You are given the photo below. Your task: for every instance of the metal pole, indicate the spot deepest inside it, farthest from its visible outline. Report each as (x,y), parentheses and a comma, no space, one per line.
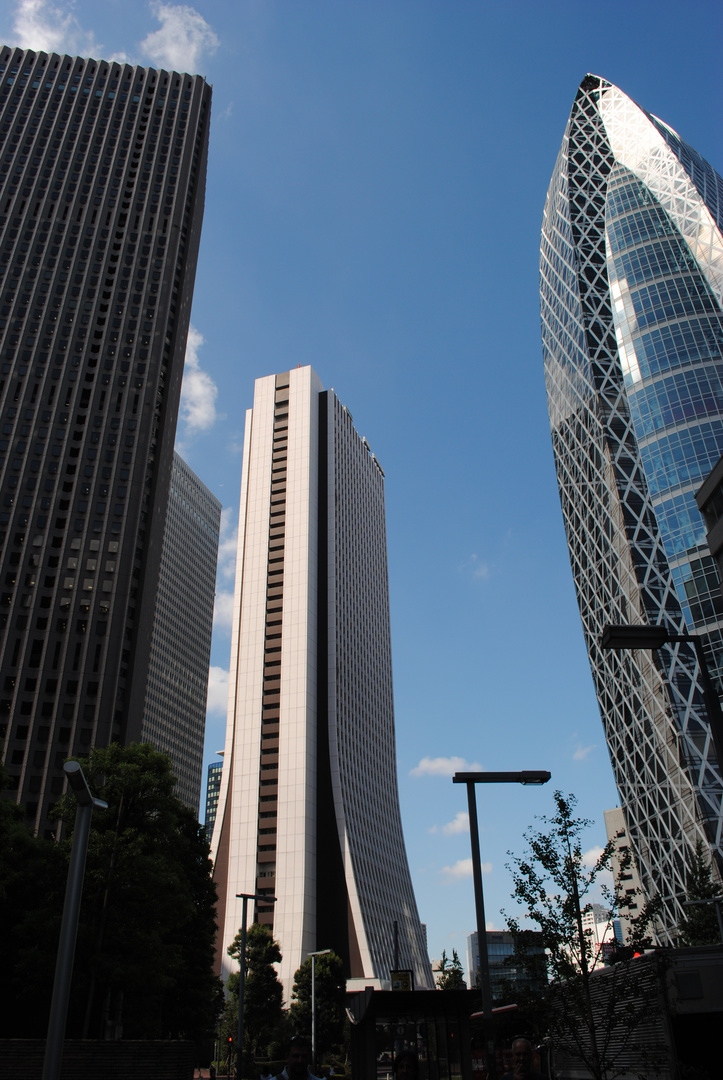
(242,969)
(69,923)
(313,1010)
(484,967)
(241,987)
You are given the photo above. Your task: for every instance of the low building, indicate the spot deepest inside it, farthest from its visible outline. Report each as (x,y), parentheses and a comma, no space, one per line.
(505,974)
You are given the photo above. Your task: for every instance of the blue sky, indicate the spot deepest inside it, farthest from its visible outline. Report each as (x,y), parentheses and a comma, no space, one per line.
(376,180)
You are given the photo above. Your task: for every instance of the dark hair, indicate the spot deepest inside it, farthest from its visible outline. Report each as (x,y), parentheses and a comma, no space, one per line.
(299,1040)
(406,1055)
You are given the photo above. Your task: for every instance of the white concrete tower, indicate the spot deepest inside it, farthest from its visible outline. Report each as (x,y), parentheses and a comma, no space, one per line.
(308,809)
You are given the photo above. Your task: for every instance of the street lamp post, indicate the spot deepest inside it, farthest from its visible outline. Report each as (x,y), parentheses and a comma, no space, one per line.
(470,779)
(69,925)
(242,970)
(313,955)
(619,637)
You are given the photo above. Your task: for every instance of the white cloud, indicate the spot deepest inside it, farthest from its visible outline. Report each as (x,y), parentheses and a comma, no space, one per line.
(460,824)
(228,542)
(582,751)
(463,869)
(476,568)
(52,27)
(223,611)
(198,393)
(226,571)
(590,857)
(443,766)
(217,700)
(183,38)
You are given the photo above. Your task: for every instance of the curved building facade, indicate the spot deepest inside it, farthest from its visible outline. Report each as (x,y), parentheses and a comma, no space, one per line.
(308,809)
(631,277)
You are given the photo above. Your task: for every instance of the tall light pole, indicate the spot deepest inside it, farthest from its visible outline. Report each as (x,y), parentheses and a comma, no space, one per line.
(470,779)
(619,636)
(69,925)
(242,970)
(313,955)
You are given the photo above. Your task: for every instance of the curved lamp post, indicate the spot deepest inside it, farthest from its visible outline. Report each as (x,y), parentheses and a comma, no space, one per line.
(618,637)
(69,925)
(470,779)
(242,970)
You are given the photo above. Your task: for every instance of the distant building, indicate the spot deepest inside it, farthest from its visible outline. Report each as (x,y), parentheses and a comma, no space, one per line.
(629,880)
(174,712)
(213,786)
(505,974)
(603,934)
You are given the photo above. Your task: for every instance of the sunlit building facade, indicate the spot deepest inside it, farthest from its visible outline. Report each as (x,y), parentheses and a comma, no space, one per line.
(631,276)
(308,810)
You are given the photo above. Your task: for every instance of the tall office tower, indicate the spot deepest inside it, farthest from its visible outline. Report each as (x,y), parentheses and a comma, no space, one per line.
(308,810)
(174,714)
(101,199)
(631,273)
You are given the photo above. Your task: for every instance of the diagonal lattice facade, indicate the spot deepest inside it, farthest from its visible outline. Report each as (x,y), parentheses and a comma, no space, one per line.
(631,276)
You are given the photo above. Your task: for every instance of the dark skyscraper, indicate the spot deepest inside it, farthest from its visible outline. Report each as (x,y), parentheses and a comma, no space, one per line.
(174,716)
(631,276)
(102,176)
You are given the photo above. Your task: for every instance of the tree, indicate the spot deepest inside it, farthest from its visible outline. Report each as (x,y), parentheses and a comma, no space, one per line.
(699,926)
(33,873)
(552,883)
(450,975)
(144,959)
(263,993)
(330,989)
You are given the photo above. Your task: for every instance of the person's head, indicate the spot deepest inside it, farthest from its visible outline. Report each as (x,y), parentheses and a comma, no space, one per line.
(522,1057)
(406,1066)
(297,1059)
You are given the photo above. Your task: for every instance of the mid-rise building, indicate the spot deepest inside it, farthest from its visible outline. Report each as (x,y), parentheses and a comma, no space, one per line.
(102,177)
(174,713)
(631,276)
(308,810)
(625,872)
(213,787)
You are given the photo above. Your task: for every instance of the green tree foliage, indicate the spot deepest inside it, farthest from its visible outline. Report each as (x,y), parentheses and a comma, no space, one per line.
(451,976)
(553,884)
(33,872)
(330,989)
(146,939)
(263,993)
(699,926)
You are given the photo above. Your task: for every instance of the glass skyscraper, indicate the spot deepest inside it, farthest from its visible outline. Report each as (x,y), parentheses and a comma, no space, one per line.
(631,276)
